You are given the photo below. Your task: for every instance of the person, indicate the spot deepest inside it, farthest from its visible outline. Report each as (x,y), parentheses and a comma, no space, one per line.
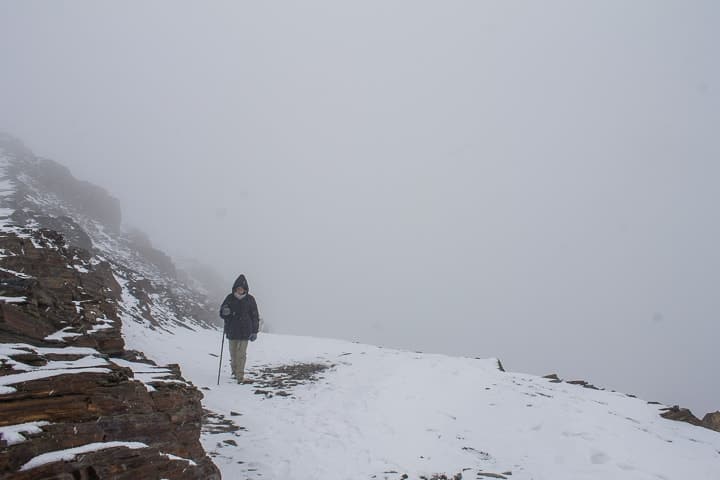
(242,322)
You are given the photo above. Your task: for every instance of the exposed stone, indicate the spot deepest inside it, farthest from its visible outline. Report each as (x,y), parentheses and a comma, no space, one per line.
(712,421)
(73,233)
(277,380)
(104,405)
(680,414)
(583,384)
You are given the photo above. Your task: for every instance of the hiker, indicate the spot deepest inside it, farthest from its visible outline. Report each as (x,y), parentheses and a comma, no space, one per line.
(242,322)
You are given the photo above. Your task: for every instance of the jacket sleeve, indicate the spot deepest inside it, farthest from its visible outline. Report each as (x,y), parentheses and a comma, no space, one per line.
(255,315)
(225,307)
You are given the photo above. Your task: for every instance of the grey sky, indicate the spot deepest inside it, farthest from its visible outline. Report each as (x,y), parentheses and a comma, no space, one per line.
(536,181)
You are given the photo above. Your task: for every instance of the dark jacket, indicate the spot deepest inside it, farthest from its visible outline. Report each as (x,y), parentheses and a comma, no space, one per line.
(244,319)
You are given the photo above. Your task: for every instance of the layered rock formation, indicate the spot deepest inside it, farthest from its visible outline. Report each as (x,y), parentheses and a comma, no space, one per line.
(73,402)
(66,377)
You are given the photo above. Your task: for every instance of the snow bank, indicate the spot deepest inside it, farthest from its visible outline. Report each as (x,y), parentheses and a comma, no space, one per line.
(12,434)
(70,454)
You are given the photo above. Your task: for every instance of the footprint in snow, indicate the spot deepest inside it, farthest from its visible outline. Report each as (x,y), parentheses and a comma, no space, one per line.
(599,458)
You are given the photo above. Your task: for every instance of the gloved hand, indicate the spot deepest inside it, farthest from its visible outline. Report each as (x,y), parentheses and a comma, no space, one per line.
(253,337)
(225,310)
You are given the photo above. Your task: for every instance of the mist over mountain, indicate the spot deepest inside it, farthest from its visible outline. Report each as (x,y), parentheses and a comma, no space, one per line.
(534,182)
(109,368)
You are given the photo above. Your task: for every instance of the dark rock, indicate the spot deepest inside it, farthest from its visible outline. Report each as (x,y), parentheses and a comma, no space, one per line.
(680,415)
(278,380)
(73,233)
(91,407)
(215,423)
(583,384)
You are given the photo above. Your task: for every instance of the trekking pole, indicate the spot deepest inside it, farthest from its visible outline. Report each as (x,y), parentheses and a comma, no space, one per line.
(222,345)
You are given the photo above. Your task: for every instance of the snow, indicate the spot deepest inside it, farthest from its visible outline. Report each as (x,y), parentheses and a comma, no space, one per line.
(13,272)
(180,459)
(102,324)
(17,348)
(380,410)
(147,373)
(13,299)
(81,269)
(77,304)
(90,362)
(62,334)
(70,454)
(12,434)
(7,191)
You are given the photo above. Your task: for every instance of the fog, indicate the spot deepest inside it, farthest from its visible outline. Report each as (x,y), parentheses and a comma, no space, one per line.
(535,181)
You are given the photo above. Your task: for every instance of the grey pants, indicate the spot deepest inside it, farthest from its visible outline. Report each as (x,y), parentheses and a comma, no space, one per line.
(238,355)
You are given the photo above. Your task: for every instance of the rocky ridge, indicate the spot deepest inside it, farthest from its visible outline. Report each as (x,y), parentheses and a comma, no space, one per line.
(677,413)
(73,402)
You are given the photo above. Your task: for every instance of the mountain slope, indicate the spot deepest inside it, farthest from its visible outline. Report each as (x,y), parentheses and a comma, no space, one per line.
(331,409)
(74,403)
(41,194)
(84,304)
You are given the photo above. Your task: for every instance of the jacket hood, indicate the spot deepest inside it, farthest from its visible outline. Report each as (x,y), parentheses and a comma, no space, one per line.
(241,282)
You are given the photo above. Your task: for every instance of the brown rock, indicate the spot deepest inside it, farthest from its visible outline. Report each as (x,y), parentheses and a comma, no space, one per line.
(680,414)
(90,407)
(712,421)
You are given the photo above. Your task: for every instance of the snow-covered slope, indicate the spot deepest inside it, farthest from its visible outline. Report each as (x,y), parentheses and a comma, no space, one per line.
(75,403)
(326,409)
(38,193)
(380,413)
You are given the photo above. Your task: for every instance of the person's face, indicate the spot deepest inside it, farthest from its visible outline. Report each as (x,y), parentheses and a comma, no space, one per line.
(239,290)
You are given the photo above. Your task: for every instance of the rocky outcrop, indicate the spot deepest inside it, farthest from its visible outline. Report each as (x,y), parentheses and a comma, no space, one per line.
(73,233)
(36,190)
(711,420)
(73,402)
